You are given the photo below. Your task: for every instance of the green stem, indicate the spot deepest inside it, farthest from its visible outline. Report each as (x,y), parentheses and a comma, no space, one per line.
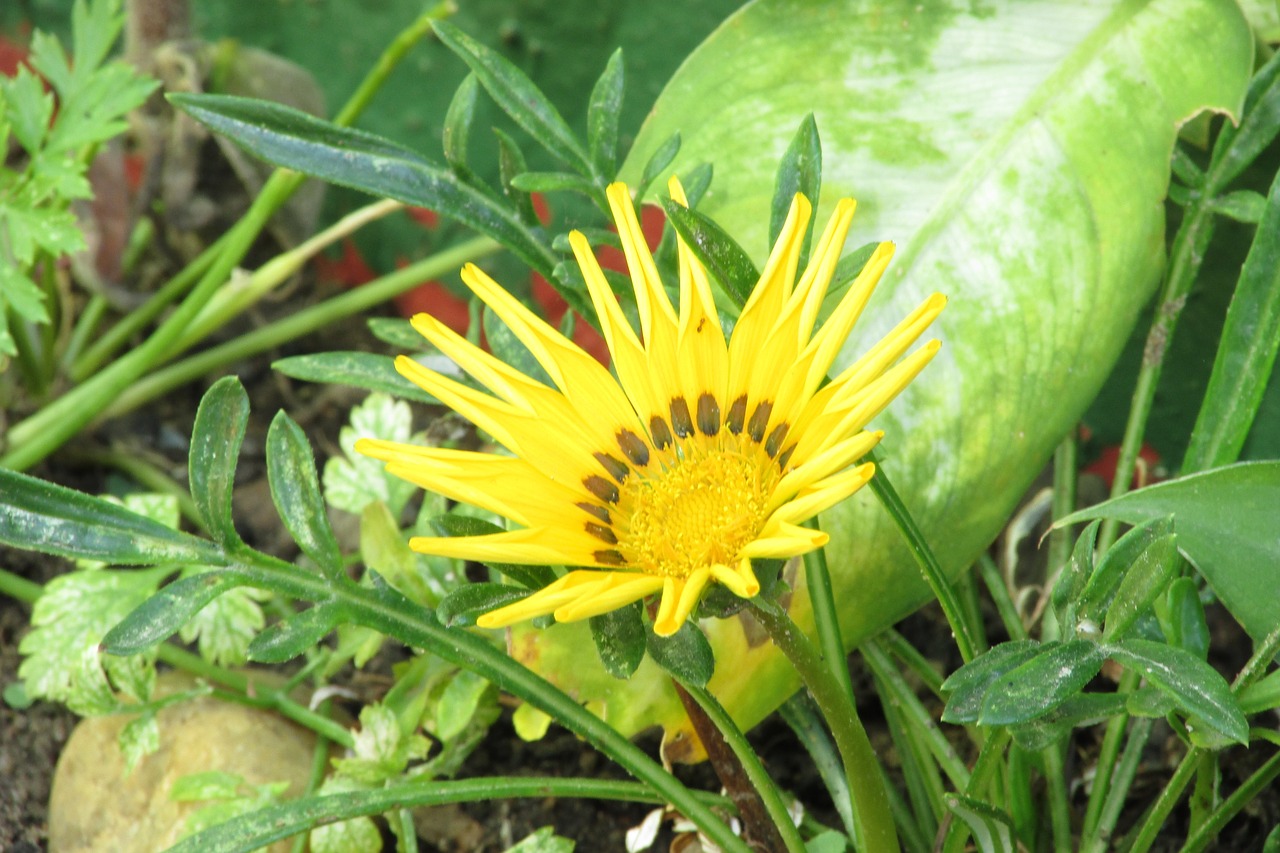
(925,558)
(800,713)
(85,328)
(281,821)
(761,783)
(19,588)
(388,612)
(298,324)
(918,719)
(1100,835)
(999,592)
(1186,256)
(1107,757)
(1057,795)
(980,778)
(817,578)
(1204,794)
(872,815)
(245,690)
(1064,501)
(1258,781)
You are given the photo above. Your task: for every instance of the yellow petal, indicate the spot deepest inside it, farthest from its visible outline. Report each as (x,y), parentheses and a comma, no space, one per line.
(679,595)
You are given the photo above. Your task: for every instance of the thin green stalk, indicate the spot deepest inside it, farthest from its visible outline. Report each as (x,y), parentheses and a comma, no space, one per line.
(1100,835)
(1107,756)
(1056,796)
(1257,782)
(244,690)
(759,778)
(917,717)
(1186,256)
(817,579)
(287,819)
(924,557)
(912,834)
(388,612)
(967,593)
(984,772)
(1064,501)
(85,328)
(999,593)
(1018,799)
(298,324)
(19,588)
(241,294)
(872,815)
(1204,795)
(910,657)
(801,714)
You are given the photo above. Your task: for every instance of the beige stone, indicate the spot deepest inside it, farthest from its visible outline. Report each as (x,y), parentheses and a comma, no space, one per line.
(95,808)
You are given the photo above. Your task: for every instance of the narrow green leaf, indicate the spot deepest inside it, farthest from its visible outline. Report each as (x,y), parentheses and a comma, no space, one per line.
(552,182)
(1073,578)
(1197,687)
(799,172)
(1058,672)
(295,490)
(366,370)
(1238,146)
(1144,580)
(992,828)
(506,346)
(1184,617)
(1115,563)
(362,161)
(296,634)
(40,516)
(215,449)
(686,654)
(1246,351)
(161,615)
(602,116)
(518,97)
(396,332)
(1262,695)
(620,639)
(457,124)
(968,685)
(1226,521)
(462,607)
(658,163)
(723,258)
(1247,206)
(511,162)
(530,577)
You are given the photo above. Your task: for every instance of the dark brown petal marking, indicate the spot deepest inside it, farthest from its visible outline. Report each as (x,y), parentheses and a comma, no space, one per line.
(660,433)
(601,488)
(601,532)
(598,511)
(609,558)
(708,414)
(759,420)
(617,469)
(681,420)
(634,448)
(775,439)
(737,415)
(785,457)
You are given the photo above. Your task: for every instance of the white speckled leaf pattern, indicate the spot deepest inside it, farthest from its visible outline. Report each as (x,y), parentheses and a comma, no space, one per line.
(1018,154)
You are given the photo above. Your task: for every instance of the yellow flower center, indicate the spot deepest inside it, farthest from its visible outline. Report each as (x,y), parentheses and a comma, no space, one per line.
(699,510)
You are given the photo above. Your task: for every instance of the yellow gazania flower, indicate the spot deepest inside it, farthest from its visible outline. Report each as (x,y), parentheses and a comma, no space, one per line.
(701,455)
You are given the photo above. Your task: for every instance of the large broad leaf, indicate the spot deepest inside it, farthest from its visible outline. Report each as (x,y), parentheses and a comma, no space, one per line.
(1018,154)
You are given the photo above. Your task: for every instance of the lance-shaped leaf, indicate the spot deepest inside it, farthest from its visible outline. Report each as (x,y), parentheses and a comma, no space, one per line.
(161,615)
(40,516)
(293,139)
(517,95)
(215,448)
(294,635)
(1022,177)
(602,116)
(295,490)
(366,370)
(799,172)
